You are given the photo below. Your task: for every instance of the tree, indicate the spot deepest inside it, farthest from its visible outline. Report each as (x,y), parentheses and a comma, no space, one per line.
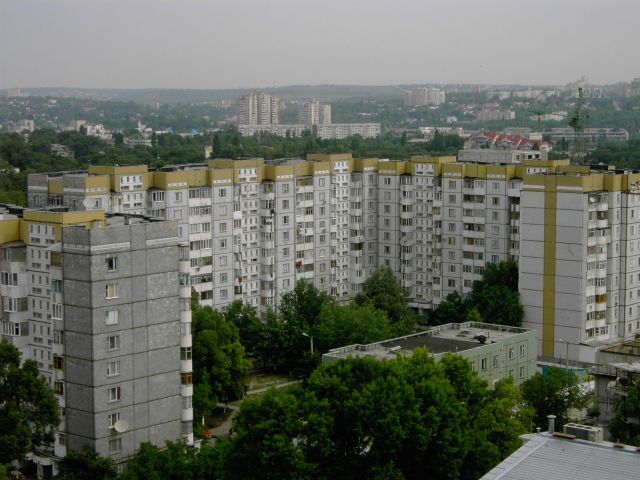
(249,326)
(451,310)
(176,461)
(264,444)
(86,465)
(303,304)
(28,408)
(625,424)
(366,418)
(340,325)
(384,291)
(553,393)
(219,360)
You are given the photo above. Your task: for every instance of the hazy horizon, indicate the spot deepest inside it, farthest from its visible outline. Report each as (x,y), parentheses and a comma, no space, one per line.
(240,44)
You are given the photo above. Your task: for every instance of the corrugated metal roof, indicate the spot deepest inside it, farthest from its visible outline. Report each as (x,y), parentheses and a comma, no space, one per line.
(549,458)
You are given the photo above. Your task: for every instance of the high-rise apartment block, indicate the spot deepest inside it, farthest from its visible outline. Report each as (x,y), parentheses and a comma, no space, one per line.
(102,304)
(314,113)
(255,227)
(258,108)
(424,96)
(580,258)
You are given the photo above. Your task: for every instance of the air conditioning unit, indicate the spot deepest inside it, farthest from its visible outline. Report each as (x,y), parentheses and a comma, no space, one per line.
(584,432)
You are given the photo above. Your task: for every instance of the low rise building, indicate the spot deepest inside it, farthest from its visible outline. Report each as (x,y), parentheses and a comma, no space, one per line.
(617,372)
(495,351)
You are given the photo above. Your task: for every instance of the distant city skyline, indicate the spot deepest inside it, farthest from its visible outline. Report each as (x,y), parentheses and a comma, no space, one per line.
(257,44)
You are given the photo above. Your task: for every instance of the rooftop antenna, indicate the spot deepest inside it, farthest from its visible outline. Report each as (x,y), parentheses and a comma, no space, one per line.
(578,122)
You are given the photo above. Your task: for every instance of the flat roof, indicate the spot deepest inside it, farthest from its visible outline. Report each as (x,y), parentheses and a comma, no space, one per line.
(449,338)
(546,457)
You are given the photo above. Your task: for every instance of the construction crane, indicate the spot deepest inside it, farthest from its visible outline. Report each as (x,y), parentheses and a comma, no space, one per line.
(578,122)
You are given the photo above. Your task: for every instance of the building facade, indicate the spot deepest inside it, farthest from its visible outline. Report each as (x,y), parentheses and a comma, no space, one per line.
(314,113)
(580,259)
(98,303)
(339,131)
(494,351)
(424,96)
(258,108)
(255,227)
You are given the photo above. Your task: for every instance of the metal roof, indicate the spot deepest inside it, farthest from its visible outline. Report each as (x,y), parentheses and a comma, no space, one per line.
(545,457)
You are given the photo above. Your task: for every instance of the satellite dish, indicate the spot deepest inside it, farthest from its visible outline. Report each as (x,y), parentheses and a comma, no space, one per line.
(87,203)
(121,426)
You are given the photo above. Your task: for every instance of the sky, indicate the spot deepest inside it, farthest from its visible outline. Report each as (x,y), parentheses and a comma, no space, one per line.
(260,43)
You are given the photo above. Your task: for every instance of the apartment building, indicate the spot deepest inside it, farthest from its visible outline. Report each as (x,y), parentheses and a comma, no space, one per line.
(424,96)
(258,108)
(339,131)
(102,304)
(314,113)
(580,258)
(255,227)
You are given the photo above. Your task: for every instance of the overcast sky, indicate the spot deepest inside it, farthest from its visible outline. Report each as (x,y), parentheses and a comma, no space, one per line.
(260,43)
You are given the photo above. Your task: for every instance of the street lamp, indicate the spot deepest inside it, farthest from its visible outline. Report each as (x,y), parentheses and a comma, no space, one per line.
(310,338)
(566,360)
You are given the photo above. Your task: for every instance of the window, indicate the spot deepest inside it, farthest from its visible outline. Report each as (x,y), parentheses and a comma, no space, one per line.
(187,402)
(113,368)
(522,372)
(496,361)
(483,364)
(186,378)
(223,294)
(58,363)
(185,353)
(62,439)
(114,394)
(56,286)
(112,264)
(222,192)
(113,342)
(111,291)
(115,445)
(223,278)
(111,317)
(178,197)
(285,219)
(58,387)
(112,418)
(523,350)
(285,188)
(223,243)
(285,204)
(451,283)
(512,353)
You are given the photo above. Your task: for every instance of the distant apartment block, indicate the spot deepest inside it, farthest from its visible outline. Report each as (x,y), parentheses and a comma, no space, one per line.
(489,155)
(314,113)
(424,96)
(258,108)
(102,304)
(494,115)
(344,130)
(593,135)
(280,130)
(494,351)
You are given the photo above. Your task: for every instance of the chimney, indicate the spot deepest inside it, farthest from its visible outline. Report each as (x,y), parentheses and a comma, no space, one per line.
(552,424)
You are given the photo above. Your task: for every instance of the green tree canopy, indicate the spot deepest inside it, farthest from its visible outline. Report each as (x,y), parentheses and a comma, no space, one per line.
(219,360)
(176,461)
(28,408)
(625,424)
(365,418)
(340,325)
(86,465)
(553,393)
(384,291)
